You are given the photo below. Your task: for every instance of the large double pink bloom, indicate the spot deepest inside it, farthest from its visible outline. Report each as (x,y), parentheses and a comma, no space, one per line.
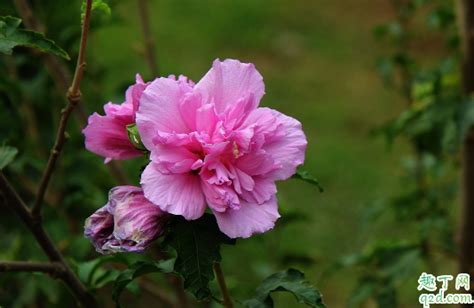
(211,144)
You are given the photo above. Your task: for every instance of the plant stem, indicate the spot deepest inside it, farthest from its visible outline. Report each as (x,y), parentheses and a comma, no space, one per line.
(62,79)
(13,200)
(227,301)
(466,244)
(149,43)
(73,96)
(55,269)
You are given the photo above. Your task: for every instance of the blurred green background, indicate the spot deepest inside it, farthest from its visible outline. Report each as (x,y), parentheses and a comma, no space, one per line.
(318,61)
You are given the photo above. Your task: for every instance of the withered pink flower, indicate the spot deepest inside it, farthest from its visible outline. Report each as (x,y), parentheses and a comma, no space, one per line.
(127,223)
(107,135)
(211,144)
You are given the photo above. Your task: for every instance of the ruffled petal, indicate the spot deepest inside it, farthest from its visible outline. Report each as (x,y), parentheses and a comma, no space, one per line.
(228,81)
(249,219)
(159,110)
(178,194)
(287,147)
(107,135)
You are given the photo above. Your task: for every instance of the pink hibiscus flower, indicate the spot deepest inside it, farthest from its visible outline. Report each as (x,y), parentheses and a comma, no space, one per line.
(211,144)
(107,135)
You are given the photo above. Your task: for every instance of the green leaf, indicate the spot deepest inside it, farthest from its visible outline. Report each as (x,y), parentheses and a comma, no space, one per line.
(12,36)
(97,5)
(134,137)
(292,281)
(304,175)
(94,276)
(136,270)
(197,246)
(7,154)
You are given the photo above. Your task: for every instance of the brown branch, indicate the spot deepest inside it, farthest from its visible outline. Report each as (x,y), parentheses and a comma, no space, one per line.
(12,200)
(466,229)
(55,269)
(148,38)
(74,97)
(227,300)
(62,79)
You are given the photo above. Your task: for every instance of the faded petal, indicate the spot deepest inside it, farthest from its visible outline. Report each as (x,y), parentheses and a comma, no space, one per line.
(228,81)
(137,222)
(99,228)
(178,194)
(127,223)
(249,219)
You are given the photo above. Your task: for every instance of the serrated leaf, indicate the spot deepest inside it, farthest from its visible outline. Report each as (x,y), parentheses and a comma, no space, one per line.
(136,270)
(292,281)
(304,175)
(12,36)
(7,154)
(197,246)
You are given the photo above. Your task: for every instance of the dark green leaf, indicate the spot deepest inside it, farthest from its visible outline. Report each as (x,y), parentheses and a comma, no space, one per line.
(7,154)
(11,36)
(304,175)
(136,270)
(292,281)
(197,245)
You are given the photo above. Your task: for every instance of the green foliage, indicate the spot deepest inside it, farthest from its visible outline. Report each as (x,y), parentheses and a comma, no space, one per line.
(387,265)
(197,245)
(303,174)
(7,154)
(93,273)
(11,36)
(292,281)
(434,122)
(97,5)
(136,270)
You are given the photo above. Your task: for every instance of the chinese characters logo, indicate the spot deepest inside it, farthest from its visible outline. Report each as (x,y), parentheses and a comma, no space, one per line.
(431,283)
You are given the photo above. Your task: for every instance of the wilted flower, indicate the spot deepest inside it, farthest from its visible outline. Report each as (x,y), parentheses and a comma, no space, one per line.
(128,222)
(210,143)
(107,135)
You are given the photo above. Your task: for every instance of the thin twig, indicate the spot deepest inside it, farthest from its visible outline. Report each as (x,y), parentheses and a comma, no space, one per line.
(16,204)
(55,269)
(62,79)
(227,300)
(73,96)
(148,38)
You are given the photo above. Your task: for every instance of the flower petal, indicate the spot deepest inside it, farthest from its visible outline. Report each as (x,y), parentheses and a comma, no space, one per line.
(159,110)
(287,147)
(248,219)
(98,227)
(107,135)
(178,194)
(134,92)
(228,81)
